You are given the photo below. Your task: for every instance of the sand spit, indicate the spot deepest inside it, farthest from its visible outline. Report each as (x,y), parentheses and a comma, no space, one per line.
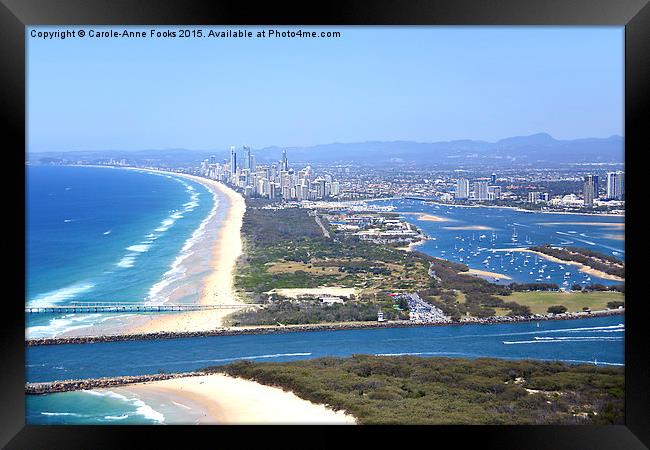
(226,400)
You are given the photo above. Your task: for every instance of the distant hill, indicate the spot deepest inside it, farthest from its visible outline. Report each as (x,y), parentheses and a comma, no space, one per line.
(536,149)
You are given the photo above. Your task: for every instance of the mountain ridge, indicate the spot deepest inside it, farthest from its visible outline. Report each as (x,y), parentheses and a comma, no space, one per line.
(530,149)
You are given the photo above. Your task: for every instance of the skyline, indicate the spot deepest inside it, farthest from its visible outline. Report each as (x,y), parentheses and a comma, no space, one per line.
(372,84)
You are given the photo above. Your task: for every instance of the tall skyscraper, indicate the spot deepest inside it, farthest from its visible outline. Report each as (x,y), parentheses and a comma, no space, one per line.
(493,178)
(481,190)
(590,190)
(233,159)
(615,185)
(246,163)
(285,162)
(213,159)
(462,188)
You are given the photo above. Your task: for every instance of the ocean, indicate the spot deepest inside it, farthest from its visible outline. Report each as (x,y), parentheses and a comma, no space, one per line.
(109,235)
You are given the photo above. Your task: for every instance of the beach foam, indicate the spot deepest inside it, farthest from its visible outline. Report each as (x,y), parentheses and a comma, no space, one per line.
(58,295)
(176,270)
(141,407)
(61,325)
(140,248)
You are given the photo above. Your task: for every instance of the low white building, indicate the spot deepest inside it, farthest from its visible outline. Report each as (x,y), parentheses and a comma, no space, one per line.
(329,300)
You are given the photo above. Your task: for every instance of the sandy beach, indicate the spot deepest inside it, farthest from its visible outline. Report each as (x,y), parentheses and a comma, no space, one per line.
(412,245)
(226,400)
(218,287)
(585,269)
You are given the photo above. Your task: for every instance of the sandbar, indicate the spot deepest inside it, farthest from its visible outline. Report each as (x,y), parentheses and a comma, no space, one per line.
(486,274)
(427,217)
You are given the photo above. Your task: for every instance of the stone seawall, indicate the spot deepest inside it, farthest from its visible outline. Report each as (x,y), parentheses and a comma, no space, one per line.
(309,328)
(96,383)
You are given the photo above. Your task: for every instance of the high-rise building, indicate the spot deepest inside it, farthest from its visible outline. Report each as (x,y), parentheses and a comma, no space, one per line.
(246,163)
(534,197)
(285,162)
(493,178)
(233,159)
(462,188)
(213,159)
(494,192)
(590,190)
(615,185)
(481,190)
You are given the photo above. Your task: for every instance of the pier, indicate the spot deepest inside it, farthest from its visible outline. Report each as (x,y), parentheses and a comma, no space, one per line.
(113,307)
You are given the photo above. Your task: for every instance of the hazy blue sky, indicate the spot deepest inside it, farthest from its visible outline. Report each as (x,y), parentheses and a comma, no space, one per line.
(382,83)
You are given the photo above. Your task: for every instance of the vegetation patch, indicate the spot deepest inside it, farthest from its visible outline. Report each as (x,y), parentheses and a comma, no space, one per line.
(414,390)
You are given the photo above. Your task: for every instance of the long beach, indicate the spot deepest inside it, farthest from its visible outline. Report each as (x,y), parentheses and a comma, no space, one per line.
(218,286)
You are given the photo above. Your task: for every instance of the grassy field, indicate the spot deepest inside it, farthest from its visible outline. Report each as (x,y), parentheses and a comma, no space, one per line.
(414,390)
(574,301)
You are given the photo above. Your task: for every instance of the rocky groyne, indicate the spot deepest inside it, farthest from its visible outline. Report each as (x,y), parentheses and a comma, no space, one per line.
(96,383)
(310,328)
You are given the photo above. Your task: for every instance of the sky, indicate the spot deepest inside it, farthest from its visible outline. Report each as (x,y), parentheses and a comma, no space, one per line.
(424,84)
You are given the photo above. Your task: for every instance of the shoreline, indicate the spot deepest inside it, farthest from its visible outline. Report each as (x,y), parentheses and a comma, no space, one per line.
(339,326)
(218,286)
(226,400)
(213,398)
(485,274)
(581,267)
(515,208)
(227,247)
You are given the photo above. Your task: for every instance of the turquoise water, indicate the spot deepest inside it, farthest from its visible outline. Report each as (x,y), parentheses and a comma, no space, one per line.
(101,234)
(504,228)
(90,408)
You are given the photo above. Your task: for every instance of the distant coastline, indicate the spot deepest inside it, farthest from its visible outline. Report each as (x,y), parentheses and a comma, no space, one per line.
(514,208)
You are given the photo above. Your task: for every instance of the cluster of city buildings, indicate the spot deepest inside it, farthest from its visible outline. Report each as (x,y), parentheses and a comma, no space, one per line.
(615,188)
(485,189)
(482,189)
(274,181)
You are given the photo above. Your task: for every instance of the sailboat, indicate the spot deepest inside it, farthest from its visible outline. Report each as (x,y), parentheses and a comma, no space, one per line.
(514,234)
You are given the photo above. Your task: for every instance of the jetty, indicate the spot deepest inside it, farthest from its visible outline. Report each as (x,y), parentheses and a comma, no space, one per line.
(113,307)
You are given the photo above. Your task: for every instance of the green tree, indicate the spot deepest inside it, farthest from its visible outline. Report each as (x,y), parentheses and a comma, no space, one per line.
(558,309)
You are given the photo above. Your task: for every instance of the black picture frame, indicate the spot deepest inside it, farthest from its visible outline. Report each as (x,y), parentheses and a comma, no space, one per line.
(15,15)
